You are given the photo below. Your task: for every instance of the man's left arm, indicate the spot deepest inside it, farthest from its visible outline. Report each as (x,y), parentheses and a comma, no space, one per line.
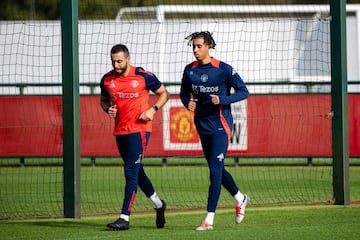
(241,91)
(163,97)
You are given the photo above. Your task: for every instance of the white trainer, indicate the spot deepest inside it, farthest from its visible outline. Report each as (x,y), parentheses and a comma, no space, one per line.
(240,210)
(204,227)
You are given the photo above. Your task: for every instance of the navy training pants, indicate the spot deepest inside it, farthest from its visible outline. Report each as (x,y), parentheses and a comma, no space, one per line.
(132,148)
(215,148)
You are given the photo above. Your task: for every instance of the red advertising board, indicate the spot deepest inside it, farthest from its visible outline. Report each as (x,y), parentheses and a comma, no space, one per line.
(264,125)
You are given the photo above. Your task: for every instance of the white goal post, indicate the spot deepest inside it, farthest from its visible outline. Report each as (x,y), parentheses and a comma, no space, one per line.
(161,10)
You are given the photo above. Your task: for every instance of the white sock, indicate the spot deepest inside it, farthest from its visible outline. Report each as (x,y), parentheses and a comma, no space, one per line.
(239,198)
(125,217)
(210,218)
(156,200)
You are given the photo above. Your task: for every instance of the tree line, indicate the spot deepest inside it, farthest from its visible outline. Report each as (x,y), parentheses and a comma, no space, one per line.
(100,9)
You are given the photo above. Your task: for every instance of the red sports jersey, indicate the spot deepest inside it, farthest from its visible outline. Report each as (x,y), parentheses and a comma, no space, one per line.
(130,94)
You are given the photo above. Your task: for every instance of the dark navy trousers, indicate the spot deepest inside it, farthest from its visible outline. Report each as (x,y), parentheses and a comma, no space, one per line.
(132,148)
(215,148)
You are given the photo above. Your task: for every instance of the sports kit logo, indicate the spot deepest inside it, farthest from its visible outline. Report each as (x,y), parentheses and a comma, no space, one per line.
(128,94)
(134,83)
(112,84)
(204,77)
(138,160)
(204,89)
(220,157)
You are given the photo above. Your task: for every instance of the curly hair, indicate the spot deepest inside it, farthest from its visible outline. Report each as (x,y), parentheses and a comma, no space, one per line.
(206,35)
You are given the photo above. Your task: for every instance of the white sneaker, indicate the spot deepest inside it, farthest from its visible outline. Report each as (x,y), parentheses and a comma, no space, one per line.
(204,227)
(240,210)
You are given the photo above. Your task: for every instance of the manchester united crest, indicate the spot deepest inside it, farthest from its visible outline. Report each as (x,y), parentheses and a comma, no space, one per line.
(182,126)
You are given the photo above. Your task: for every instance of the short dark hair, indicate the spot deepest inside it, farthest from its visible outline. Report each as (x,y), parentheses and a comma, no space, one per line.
(206,35)
(120,48)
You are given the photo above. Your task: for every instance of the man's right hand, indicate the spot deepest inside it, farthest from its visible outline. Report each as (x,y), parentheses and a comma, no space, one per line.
(192,105)
(112,111)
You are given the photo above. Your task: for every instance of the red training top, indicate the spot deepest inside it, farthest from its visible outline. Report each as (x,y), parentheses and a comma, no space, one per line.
(130,94)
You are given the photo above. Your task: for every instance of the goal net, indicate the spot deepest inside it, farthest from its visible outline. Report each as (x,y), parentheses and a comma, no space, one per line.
(280,150)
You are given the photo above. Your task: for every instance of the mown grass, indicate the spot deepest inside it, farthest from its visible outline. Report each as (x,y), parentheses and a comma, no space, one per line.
(305,222)
(287,202)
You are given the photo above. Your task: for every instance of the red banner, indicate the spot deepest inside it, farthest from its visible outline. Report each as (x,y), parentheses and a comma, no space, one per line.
(264,125)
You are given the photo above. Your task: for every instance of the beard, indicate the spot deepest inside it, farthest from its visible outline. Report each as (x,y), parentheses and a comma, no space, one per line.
(120,71)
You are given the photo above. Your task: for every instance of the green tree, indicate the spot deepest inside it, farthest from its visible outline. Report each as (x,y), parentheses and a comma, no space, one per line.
(100,9)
